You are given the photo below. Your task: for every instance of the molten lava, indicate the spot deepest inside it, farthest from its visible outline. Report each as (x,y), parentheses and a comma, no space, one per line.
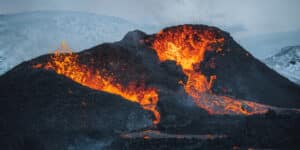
(187,47)
(67,64)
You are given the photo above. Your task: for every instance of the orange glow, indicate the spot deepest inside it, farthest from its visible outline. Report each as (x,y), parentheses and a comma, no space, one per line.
(37,66)
(67,64)
(146,137)
(187,47)
(214,104)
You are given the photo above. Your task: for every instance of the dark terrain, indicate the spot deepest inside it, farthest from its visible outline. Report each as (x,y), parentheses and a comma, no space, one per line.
(43,110)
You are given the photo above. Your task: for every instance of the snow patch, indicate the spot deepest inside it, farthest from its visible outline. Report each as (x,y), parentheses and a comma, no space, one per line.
(287,63)
(28,35)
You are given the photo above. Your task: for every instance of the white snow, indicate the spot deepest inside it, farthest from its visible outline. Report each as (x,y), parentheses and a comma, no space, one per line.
(28,35)
(287,63)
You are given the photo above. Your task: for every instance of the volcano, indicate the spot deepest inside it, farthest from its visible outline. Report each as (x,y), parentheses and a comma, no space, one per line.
(186,87)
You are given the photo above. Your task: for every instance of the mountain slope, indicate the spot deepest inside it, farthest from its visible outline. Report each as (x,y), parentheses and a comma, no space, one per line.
(28,35)
(287,63)
(72,100)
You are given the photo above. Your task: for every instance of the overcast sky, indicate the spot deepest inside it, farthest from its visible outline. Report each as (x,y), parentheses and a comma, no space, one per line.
(243,18)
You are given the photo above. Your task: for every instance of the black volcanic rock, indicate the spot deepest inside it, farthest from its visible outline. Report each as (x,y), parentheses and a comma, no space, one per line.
(242,76)
(43,109)
(245,77)
(40,103)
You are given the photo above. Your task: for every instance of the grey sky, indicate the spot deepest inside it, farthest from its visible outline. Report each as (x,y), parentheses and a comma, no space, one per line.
(243,18)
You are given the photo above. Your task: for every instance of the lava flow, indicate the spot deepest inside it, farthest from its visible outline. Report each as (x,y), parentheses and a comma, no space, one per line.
(187,47)
(67,64)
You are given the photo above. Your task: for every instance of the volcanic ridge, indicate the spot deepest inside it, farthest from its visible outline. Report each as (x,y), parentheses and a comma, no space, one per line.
(188,84)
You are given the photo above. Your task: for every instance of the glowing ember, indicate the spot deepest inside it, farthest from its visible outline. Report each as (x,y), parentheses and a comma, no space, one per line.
(184,45)
(214,104)
(187,47)
(154,134)
(67,64)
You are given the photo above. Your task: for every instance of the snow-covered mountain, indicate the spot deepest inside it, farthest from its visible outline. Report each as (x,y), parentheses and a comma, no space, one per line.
(287,63)
(1,63)
(27,35)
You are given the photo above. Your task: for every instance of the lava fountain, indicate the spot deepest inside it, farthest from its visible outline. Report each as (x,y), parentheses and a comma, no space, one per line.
(67,64)
(187,46)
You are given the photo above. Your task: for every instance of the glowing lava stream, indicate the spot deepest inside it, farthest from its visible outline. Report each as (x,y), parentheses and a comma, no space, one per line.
(187,46)
(67,64)
(154,134)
